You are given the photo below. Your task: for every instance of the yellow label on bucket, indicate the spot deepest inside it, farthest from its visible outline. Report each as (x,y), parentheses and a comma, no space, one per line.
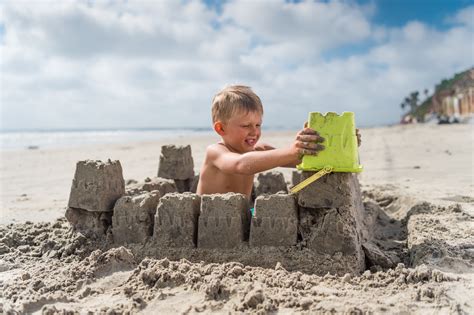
(340,153)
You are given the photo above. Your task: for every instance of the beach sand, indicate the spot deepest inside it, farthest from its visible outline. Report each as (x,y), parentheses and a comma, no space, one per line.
(420,178)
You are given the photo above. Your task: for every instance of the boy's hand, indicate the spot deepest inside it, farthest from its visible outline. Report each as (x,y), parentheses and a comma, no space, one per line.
(359,138)
(307,143)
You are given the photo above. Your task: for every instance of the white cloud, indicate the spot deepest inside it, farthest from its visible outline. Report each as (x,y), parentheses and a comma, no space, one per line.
(82,29)
(72,64)
(309,27)
(464,17)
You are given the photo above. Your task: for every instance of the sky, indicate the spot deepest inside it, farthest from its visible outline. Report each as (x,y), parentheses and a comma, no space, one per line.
(158,64)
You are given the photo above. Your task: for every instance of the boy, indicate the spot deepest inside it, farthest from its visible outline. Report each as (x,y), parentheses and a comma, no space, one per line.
(230,165)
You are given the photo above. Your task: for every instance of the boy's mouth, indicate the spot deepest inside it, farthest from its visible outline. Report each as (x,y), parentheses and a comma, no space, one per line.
(251,142)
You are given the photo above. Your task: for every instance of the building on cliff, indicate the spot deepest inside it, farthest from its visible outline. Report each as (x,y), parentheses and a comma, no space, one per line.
(452,101)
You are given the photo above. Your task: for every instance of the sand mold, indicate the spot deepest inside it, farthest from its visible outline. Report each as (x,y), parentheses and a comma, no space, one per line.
(49,268)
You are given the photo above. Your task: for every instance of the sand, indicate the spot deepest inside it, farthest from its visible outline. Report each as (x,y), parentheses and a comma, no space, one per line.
(417,184)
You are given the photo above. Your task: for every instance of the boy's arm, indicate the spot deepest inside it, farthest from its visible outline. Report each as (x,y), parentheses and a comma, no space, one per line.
(258,161)
(248,163)
(359,142)
(266,147)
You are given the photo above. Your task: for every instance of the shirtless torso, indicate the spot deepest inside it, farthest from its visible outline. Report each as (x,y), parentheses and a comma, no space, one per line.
(213,180)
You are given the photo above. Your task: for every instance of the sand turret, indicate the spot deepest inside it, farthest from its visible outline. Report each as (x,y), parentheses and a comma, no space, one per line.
(96,186)
(176,163)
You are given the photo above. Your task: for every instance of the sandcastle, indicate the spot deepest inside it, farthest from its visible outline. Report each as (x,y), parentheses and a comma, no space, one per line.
(318,230)
(95,189)
(176,163)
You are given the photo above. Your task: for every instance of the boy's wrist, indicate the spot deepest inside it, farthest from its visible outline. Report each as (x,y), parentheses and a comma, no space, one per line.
(293,156)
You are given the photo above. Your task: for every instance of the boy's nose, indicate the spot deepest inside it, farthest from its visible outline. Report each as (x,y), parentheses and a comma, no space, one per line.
(253,130)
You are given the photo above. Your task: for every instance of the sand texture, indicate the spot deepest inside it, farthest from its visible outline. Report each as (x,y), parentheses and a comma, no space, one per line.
(418,239)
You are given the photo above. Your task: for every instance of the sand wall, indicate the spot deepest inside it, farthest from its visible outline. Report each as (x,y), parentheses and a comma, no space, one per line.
(318,231)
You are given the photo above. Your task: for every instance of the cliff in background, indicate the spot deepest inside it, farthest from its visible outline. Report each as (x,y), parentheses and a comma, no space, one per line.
(452,101)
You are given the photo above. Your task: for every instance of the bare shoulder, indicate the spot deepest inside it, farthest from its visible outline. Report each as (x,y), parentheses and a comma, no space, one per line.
(216,149)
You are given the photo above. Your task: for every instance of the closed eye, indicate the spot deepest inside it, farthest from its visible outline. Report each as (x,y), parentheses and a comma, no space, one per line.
(250,126)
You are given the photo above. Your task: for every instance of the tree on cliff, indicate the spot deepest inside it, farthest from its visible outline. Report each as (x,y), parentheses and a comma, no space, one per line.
(411,101)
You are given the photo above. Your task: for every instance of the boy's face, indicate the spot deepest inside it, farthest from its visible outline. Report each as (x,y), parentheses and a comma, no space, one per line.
(242,131)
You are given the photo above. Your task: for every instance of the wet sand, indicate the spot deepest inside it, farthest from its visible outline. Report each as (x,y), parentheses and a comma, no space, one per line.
(418,184)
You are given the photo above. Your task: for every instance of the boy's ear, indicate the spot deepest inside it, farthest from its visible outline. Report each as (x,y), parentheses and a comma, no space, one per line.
(218,127)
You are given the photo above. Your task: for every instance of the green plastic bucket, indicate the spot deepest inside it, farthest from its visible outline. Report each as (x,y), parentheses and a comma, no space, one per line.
(340,153)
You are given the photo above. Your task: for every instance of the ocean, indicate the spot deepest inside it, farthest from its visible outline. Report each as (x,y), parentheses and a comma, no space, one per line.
(41,139)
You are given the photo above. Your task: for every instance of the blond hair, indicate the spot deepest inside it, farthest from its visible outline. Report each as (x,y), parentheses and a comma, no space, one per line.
(234,98)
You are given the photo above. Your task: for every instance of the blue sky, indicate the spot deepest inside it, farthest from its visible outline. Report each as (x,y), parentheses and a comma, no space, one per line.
(141,64)
(396,13)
